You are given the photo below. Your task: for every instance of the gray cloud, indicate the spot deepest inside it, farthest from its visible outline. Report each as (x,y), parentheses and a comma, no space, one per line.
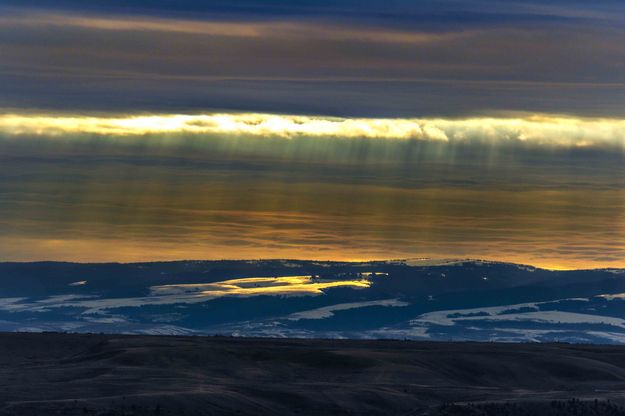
(53,59)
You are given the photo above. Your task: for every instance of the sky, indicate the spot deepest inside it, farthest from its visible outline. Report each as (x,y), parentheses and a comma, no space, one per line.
(342,130)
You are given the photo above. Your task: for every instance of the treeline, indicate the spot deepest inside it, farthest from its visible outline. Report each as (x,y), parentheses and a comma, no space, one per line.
(573,407)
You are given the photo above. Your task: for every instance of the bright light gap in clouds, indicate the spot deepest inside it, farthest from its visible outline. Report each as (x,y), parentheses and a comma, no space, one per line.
(537,129)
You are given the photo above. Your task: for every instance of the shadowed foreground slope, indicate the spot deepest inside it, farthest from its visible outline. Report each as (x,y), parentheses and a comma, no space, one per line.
(126,375)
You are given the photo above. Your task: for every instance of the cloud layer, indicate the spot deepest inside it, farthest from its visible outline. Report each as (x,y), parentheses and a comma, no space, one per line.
(438,59)
(328,130)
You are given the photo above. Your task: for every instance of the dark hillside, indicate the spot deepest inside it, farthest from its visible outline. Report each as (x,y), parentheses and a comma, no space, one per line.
(148,375)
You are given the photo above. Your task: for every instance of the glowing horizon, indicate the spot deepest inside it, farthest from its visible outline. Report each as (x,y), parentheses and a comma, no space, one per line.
(147,255)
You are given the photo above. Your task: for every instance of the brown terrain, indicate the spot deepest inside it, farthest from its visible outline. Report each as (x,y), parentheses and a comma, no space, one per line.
(72,374)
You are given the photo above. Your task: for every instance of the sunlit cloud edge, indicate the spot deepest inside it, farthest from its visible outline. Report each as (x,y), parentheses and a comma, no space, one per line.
(538,129)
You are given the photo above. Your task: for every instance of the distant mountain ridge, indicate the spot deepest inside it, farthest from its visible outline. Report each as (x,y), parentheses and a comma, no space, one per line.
(457,299)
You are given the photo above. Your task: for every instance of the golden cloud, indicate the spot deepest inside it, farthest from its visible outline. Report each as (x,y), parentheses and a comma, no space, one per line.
(245,29)
(536,129)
